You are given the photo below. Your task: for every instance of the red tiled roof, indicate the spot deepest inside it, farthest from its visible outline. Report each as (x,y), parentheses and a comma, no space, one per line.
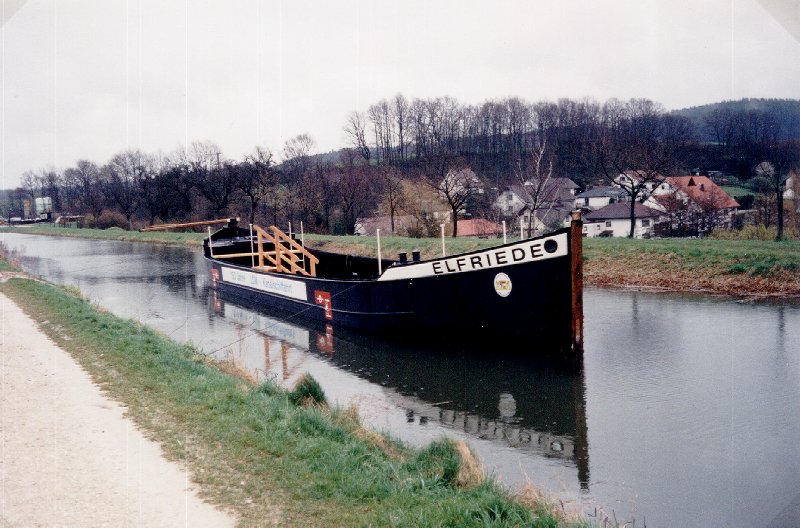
(478,227)
(700,189)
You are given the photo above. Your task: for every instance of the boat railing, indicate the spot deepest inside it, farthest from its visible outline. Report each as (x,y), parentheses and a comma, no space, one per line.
(287,256)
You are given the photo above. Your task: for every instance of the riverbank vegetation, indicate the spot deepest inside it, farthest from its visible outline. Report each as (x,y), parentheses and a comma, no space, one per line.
(269,455)
(724,265)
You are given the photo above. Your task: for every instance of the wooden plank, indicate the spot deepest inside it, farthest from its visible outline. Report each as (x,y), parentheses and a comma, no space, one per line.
(163,227)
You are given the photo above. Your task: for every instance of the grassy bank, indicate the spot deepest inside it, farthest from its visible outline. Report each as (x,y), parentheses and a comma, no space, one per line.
(736,267)
(268,455)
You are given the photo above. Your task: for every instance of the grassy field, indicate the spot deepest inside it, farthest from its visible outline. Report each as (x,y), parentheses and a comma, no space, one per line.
(266,454)
(737,267)
(736,191)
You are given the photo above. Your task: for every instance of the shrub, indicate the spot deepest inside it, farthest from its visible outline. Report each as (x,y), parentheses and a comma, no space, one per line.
(106,220)
(307,390)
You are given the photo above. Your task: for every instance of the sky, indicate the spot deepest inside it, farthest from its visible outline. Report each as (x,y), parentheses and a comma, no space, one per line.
(86,79)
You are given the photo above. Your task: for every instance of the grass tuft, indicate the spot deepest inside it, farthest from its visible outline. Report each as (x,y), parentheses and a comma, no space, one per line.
(308,392)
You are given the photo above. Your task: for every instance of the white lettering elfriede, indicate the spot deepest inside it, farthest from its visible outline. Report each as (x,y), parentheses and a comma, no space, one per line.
(520,253)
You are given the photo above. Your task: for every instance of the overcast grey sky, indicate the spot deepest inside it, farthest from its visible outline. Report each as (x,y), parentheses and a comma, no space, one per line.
(89,78)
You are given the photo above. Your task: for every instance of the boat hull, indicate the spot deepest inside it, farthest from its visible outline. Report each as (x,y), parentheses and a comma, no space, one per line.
(530,301)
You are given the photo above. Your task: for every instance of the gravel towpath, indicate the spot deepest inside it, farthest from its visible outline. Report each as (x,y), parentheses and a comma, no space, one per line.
(68,455)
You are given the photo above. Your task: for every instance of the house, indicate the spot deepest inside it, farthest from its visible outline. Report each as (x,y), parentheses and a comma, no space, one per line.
(479,228)
(792,186)
(614,220)
(600,196)
(696,201)
(633,177)
(553,201)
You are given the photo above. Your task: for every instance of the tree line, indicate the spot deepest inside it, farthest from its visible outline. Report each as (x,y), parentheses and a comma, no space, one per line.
(400,145)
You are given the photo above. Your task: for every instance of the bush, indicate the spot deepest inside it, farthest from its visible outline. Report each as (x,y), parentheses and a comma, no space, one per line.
(754,232)
(307,390)
(106,220)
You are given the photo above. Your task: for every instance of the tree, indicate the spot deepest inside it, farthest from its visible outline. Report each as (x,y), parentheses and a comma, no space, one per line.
(637,146)
(355,190)
(218,185)
(783,158)
(86,185)
(535,175)
(456,187)
(124,171)
(256,177)
(394,197)
(356,131)
(297,156)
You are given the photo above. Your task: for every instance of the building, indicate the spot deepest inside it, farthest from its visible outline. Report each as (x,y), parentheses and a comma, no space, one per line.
(694,201)
(600,196)
(614,220)
(553,201)
(479,228)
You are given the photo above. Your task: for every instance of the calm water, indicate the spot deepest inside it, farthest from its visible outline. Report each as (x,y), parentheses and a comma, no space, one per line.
(687,414)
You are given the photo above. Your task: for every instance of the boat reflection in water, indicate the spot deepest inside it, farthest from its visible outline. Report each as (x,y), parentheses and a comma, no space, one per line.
(538,409)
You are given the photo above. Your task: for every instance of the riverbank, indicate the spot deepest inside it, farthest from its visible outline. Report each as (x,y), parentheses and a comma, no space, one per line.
(267,455)
(750,268)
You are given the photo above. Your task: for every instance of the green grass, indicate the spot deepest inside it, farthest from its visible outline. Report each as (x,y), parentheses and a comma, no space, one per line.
(114,233)
(251,449)
(755,257)
(736,191)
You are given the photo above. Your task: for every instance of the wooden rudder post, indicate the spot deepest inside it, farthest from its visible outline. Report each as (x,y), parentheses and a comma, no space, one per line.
(576,265)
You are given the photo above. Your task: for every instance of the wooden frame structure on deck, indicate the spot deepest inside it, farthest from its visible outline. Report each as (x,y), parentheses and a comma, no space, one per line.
(287,256)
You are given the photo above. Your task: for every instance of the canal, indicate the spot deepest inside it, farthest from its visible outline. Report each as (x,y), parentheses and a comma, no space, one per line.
(687,412)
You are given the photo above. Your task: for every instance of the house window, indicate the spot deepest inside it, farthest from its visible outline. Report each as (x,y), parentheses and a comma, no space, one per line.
(645,222)
(585,201)
(608,224)
(509,197)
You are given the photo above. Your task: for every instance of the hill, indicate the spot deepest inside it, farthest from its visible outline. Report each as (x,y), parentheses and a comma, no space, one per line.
(785,112)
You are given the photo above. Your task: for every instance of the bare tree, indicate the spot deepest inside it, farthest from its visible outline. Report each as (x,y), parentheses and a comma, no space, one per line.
(356,131)
(535,176)
(458,185)
(394,197)
(85,182)
(784,158)
(124,171)
(297,156)
(637,146)
(256,177)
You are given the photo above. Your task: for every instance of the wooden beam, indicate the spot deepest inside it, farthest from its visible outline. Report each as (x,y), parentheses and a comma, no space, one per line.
(164,227)
(576,265)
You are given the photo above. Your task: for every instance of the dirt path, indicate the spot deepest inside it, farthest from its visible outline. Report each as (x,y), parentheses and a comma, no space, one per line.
(68,456)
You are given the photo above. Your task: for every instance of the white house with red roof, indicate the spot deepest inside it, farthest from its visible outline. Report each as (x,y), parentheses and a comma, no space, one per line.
(697,197)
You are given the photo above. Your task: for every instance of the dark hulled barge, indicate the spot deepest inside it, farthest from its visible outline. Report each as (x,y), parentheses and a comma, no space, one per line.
(526,292)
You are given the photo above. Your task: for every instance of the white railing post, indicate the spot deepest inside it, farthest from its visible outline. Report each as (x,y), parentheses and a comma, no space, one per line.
(380,264)
(505,240)
(210,249)
(444,253)
(252,249)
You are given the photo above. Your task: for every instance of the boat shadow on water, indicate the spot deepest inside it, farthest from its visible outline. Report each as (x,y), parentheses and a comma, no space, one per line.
(489,390)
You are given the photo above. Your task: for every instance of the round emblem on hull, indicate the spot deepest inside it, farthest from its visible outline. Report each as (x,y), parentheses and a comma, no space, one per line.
(502,285)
